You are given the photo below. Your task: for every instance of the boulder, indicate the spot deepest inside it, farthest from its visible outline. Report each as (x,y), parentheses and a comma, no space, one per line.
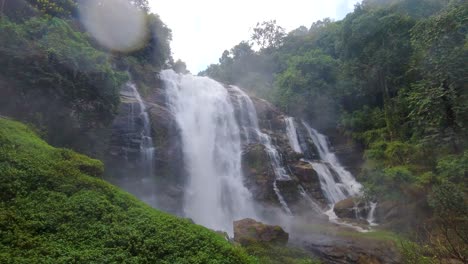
(309,180)
(305,172)
(351,208)
(247,231)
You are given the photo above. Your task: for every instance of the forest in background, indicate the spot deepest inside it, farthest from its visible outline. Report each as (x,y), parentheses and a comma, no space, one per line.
(392,75)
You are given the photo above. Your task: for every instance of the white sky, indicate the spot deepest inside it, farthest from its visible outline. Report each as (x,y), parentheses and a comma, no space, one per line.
(203,29)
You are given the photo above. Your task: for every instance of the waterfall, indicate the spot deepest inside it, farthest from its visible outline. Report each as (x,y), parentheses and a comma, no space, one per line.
(146,145)
(292,135)
(371,216)
(214,194)
(334,191)
(132,135)
(337,183)
(309,199)
(250,123)
(248,115)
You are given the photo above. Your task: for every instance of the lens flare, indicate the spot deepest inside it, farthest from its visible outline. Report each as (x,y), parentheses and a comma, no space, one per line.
(115,24)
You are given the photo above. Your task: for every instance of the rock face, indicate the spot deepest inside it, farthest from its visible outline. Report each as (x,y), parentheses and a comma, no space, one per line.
(309,179)
(124,158)
(169,167)
(351,208)
(355,211)
(303,184)
(301,191)
(259,175)
(248,231)
(124,151)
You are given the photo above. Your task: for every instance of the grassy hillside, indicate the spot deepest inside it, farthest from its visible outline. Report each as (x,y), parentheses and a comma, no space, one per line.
(54,208)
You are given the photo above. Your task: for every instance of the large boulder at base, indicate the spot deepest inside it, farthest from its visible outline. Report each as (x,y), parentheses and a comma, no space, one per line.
(351,208)
(248,231)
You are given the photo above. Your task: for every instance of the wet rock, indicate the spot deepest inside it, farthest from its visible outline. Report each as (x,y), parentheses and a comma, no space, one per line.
(305,172)
(351,208)
(258,175)
(289,190)
(248,231)
(387,211)
(347,150)
(344,250)
(309,180)
(169,153)
(269,116)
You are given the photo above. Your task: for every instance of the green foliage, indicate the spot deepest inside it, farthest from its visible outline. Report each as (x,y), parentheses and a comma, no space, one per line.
(413,253)
(49,57)
(56,8)
(307,86)
(53,211)
(438,99)
(268,35)
(157,51)
(448,201)
(453,168)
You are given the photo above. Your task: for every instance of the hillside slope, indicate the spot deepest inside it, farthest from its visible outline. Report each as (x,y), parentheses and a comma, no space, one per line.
(54,208)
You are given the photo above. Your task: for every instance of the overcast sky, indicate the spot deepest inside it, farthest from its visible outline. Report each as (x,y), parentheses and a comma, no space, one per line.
(203,29)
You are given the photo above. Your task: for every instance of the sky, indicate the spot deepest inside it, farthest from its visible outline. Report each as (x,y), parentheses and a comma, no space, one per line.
(203,29)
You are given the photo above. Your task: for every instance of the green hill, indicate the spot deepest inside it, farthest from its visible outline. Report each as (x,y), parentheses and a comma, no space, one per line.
(54,208)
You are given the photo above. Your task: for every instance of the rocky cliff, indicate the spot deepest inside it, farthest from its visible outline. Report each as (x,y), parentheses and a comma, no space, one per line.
(302,192)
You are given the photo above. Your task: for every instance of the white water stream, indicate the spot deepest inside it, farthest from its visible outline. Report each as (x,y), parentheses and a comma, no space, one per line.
(251,124)
(215,195)
(337,183)
(292,134)
(211,137)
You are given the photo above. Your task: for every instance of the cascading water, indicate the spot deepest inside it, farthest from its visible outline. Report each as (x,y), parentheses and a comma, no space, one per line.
(250,123)
(146,145)
(248,116)
(371,217)
(292,134)
(337,183)
(133,136)
(215,195)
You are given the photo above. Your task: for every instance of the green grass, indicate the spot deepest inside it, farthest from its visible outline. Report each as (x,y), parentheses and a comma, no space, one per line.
(54,208)
(380,235)
(272,254)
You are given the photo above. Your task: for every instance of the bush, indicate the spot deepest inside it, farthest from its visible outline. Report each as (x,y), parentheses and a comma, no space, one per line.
(53,60)
(53,211)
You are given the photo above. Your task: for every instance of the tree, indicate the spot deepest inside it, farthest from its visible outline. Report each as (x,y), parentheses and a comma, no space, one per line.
(451,238)
(306,87)
(438,98)
(180,67)
(157,50)
(268,35)
(57,8)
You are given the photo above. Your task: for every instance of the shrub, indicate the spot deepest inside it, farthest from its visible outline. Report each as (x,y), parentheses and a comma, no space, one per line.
(53,211)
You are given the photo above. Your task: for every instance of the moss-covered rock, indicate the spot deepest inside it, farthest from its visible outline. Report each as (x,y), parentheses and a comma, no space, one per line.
(53,211)
(247,231)
(352,208)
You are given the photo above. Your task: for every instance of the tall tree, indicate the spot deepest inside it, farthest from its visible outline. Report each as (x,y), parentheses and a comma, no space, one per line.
(268,34)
